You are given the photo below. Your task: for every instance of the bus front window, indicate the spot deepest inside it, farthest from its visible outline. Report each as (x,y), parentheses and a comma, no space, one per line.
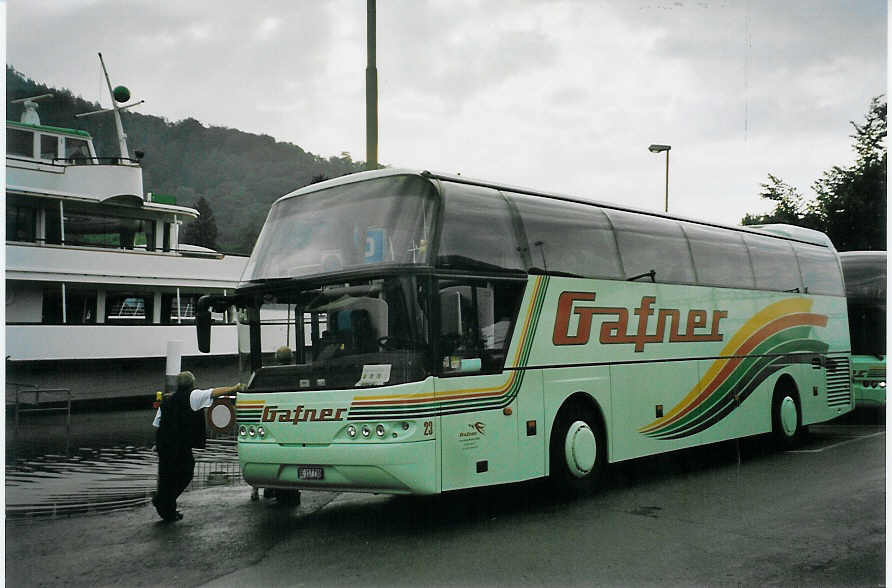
(387,221)
(338,336)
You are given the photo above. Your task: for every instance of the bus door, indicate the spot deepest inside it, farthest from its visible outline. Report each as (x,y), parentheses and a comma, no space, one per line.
(478,400)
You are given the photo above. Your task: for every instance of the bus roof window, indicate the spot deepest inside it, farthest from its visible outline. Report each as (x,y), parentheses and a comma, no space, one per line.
(774,264)
(820,270)
(568,237)
(478,231)
(720,257)
(652,243)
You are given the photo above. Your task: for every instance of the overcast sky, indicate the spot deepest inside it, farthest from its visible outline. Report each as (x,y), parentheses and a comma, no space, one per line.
(564,96)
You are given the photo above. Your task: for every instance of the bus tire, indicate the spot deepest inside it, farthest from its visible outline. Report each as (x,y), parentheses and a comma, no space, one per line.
(786,417)
(578,450)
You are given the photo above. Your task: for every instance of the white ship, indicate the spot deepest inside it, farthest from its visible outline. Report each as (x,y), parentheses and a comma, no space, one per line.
(97,280)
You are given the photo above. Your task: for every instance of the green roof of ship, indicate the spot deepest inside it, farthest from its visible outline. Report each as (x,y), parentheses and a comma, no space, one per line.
(76,132)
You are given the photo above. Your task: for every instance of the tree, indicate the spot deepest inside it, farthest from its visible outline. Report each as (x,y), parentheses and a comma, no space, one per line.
(791,208)
(203,230)
(850,202)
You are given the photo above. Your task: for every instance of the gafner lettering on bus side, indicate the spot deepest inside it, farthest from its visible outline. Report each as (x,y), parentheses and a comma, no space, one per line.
(699,326)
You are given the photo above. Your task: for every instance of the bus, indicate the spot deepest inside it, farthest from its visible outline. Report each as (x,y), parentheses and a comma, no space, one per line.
(434,333)
(865,278)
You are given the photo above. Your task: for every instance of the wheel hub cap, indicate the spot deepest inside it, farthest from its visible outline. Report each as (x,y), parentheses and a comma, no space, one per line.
(580,449)
(788,416)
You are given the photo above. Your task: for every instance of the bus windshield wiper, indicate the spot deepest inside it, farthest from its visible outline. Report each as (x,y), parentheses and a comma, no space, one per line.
(538,271)
(652,274)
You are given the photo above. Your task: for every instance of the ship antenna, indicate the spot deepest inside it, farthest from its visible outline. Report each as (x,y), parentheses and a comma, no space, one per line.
(118,94)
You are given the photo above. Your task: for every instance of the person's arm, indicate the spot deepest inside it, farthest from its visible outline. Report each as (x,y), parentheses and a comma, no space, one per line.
(225,390)
(203,398)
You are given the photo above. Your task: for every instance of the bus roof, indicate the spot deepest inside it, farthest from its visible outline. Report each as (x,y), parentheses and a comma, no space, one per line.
(782,231)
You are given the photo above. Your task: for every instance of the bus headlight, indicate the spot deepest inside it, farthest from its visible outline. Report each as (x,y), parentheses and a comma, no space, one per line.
(351,431)
(251,432)
(366,431)
(882,384)
(261,431)
(379,430)
(243,430)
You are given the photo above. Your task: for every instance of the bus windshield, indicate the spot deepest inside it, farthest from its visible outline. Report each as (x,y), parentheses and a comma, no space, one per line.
(865,277)
(346,335)
(383,221)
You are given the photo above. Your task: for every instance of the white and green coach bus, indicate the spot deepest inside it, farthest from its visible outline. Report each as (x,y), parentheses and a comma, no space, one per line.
(435,333)
(865,277)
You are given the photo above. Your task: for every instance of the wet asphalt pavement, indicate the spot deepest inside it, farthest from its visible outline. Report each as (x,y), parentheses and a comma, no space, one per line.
(728,514)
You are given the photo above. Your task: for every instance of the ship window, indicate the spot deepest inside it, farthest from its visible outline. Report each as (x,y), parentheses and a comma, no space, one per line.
(49,147)
(128,308)
(21,223)
(79,306)
(77,150)
(187,305)
(53,224)
(82,228)
(19,142)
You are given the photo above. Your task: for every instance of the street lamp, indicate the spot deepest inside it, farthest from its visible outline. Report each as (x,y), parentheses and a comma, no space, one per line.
(658,149)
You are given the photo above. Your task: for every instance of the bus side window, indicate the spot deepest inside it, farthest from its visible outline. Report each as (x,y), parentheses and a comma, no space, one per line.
(476,321)
(651,243)
(720,257)
(820,270)
(774,265)
(568,237)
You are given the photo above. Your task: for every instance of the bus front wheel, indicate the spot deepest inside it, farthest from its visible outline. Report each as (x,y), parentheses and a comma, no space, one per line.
(786,418)
(578,450)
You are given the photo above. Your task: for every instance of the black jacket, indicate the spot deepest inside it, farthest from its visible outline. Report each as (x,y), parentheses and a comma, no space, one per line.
(181,427)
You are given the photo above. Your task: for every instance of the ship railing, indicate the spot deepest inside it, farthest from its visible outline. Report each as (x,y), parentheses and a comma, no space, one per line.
(26,399)
(84,160)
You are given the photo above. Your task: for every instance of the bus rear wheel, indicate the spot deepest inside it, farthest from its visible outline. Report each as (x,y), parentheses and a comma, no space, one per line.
(786,418)
(578,451)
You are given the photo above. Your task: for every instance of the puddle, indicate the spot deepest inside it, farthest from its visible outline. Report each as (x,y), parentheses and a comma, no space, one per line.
(105,463)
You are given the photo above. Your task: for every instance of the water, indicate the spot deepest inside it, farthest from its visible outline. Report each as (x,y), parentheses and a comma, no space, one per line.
(105,463)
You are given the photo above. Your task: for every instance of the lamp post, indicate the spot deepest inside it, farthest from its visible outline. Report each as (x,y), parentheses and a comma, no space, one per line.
(371,91)
(658,149)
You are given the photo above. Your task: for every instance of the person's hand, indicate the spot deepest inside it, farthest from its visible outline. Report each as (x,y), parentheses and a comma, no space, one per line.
(240,388)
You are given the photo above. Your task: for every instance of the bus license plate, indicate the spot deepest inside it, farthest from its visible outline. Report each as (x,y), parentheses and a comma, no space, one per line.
(309,473)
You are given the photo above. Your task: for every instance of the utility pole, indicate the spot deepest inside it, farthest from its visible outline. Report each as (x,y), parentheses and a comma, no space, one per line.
(371,92)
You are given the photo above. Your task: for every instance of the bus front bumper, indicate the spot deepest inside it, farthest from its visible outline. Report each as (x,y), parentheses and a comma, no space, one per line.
(869,395)
(390,468)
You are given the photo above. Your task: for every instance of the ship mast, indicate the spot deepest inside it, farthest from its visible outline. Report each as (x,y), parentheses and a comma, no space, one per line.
(118,94)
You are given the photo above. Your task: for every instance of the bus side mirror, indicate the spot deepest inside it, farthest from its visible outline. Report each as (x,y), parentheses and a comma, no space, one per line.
(203,317)
(203,327)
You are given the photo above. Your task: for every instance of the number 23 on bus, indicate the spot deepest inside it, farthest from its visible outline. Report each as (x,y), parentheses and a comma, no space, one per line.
(614,332)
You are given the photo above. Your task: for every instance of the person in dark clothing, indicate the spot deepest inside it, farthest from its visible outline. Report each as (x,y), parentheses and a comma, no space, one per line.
(180,428)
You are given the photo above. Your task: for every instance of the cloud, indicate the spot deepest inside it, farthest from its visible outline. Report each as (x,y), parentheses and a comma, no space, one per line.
(562,95)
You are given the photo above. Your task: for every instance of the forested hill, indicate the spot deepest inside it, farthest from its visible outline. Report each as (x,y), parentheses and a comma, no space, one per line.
(239,174)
